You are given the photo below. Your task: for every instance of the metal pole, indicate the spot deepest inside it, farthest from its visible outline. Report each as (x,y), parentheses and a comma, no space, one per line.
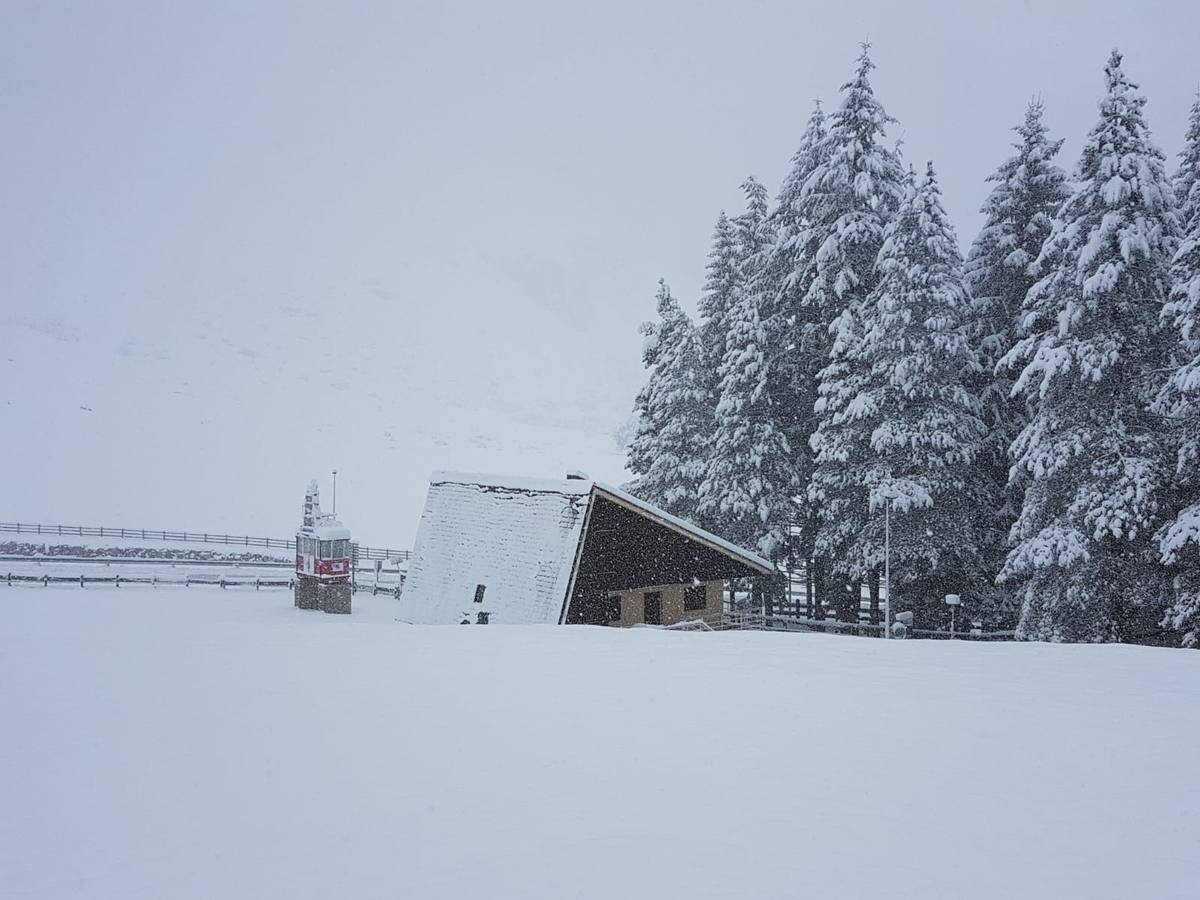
(953,610)
(335,492)
(887,566)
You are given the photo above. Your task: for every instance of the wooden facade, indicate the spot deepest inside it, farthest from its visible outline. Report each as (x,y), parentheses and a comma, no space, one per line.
(638,566)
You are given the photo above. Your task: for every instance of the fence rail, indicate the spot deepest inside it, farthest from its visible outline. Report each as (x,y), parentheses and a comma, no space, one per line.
(195,537)
(757,620)
(12,580)
(153,580)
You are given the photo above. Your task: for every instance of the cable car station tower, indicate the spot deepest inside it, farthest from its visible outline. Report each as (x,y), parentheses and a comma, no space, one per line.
(323,558)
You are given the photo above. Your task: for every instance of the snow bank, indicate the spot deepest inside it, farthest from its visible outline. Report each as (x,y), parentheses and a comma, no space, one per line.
(202,744)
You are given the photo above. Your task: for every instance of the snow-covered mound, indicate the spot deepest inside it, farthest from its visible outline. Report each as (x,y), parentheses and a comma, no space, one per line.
(207,744)
(212,412)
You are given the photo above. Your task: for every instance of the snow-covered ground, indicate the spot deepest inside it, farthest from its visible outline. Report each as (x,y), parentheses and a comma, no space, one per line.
(210,744)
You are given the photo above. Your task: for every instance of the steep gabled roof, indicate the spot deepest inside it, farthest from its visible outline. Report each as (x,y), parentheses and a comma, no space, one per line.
(515,536)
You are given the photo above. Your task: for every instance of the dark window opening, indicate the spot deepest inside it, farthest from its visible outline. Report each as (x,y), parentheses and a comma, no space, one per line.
(695,597)
(479,589)
(652,607)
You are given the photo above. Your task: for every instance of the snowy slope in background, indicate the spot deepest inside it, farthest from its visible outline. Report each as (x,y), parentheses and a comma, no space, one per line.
(183,411)
(204,744)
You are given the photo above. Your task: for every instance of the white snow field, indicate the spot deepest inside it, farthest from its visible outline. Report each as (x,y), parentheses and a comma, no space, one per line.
(209,744)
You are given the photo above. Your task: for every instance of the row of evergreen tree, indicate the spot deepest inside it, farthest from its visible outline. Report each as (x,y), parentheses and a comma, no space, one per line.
(1031,412)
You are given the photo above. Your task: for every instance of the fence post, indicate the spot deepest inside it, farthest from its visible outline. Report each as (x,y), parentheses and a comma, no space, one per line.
(45,581)
(153,581)
(257,584)
(118,579)
(222,584)
(10,579)
(187,581)
(81,579)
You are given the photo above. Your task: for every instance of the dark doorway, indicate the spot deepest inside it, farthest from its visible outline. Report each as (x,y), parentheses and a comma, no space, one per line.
(652,607)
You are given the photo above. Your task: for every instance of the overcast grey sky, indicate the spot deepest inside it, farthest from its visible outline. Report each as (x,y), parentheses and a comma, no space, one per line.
(524,170)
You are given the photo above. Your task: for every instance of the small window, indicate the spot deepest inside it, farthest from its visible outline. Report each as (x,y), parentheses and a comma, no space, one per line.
(339,548)
(479,589)
(695,597)
(326,550)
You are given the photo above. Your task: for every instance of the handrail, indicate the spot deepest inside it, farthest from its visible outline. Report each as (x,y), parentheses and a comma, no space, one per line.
(159,534)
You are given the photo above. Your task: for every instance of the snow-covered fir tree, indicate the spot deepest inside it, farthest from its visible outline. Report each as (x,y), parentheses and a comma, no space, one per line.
(801,338)
(1188,173)
(848,200)
(907,424)
(674,418)
(737,247)
(748,492)
(1018,215)
(1084,560)
(754,229)
(722,274)
(1179,540)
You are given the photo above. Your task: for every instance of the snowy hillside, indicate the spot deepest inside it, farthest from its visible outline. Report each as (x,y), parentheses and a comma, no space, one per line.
(223,744)
(187,412)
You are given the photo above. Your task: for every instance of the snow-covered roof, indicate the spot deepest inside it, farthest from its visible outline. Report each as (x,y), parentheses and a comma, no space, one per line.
(330,531)
(515,536)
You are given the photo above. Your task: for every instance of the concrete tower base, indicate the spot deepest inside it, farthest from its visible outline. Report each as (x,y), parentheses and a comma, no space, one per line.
(335,598)
(307,590)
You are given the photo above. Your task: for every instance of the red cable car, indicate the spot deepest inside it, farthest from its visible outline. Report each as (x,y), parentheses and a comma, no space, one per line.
(323,556)
(323,552)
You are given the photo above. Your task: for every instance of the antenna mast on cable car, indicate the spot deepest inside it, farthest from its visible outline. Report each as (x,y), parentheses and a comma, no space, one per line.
(323,557)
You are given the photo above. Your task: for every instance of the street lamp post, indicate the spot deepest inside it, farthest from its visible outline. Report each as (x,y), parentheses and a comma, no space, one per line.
(889,494)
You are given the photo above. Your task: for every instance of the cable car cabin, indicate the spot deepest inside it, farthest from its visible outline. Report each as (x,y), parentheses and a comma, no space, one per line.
(323,552)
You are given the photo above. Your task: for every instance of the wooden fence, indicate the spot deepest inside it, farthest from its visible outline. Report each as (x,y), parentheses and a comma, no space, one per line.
(158,534)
